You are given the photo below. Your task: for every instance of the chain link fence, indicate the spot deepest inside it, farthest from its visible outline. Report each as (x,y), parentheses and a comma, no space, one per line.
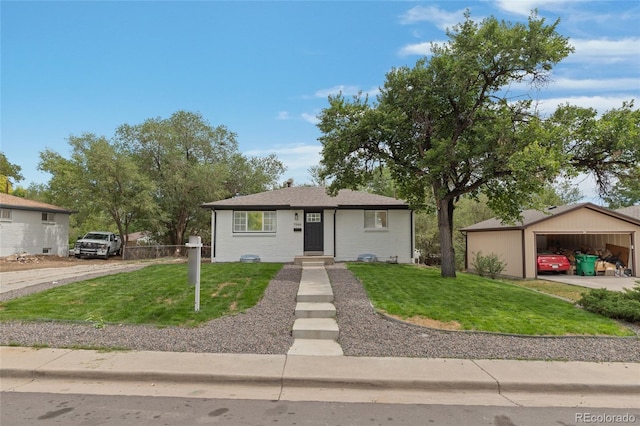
(157,252)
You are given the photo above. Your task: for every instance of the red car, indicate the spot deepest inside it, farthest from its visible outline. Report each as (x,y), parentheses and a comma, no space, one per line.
(548,262)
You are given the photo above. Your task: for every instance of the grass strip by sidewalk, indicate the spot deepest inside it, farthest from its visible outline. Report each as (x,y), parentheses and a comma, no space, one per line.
(475,303)
(157,295)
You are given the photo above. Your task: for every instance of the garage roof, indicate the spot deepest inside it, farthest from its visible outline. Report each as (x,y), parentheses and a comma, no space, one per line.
(530,217)
(633,211)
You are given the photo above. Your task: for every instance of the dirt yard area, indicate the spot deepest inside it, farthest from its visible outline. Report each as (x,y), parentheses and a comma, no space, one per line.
(27,262)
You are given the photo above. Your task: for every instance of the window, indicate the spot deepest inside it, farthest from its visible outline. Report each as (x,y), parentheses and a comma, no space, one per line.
(314,217)
(254,221)
(48,217)
(5,214)
(375,219)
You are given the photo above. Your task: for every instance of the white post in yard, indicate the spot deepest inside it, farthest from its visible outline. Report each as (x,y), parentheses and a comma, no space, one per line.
(195,252)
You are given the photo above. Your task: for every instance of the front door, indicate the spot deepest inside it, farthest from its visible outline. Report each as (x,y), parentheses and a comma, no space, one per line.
(313,232)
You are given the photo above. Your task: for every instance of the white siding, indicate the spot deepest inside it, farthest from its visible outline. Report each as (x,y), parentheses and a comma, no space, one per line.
(351,239)
(26,232)
(281,246)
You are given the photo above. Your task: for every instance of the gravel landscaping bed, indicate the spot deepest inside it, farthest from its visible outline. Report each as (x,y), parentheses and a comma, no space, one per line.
(266,329)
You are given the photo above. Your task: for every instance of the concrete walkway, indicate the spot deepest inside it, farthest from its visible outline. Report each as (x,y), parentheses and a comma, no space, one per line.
(322,378)
(315,329)
(597,282)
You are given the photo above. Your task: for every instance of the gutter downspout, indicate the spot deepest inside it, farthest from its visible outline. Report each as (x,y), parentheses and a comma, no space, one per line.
(524,256)
(466,250)
(412,232)
(335,243)
(214,220)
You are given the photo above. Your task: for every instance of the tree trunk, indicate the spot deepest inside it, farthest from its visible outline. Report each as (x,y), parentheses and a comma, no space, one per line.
(445,229)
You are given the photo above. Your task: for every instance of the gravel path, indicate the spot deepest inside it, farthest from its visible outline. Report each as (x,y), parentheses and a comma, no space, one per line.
(266,329)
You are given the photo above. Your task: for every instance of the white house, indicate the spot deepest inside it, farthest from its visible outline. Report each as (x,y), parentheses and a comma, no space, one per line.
(286,224)
(32,227)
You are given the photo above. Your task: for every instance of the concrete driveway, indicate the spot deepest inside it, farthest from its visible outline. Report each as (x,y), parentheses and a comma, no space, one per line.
(610,283)
(14,280)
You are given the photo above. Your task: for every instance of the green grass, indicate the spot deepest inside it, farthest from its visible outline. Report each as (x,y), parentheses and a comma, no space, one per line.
(566,291)
(476,303)
(157,295)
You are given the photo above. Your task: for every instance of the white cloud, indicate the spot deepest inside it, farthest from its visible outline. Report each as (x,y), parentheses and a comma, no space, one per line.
(332,91)
(599,103)
(310,118)
(588,84)
(296,157)
(283,115)
(439,17)
(606,51)
(524,7)
(346,91)
(421,49)
(605,84)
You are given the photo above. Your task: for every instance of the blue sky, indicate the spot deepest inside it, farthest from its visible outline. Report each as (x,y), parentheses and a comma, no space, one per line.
(263,69)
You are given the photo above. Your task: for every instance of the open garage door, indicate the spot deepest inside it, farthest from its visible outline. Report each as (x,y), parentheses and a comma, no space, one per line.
(612,249)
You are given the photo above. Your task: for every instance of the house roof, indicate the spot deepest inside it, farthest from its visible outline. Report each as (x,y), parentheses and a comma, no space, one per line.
(307,197)
(530,217)
(18,203)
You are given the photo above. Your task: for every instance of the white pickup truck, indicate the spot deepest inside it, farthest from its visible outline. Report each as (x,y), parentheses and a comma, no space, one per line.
(98,244)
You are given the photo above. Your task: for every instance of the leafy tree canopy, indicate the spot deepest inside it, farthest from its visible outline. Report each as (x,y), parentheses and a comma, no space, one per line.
(448,127)
(8,171)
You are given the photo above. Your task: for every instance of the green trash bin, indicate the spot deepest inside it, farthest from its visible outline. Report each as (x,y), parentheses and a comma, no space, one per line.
(586,264)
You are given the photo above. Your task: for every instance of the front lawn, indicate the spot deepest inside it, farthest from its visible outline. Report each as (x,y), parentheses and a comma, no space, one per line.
(157,295)
(475,303)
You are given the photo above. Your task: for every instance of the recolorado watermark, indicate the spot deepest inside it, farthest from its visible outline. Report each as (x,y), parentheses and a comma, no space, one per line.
(596,418)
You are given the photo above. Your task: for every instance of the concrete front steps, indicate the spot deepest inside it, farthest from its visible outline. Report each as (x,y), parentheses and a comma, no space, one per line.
(315,329)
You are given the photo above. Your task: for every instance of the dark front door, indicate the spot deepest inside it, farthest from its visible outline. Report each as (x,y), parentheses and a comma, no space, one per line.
(313,231)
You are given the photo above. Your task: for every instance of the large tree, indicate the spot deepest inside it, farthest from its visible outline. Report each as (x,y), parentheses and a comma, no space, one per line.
(100,180)
(449,127)
(190,162)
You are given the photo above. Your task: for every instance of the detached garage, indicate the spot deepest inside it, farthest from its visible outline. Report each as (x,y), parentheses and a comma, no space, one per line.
(585,228)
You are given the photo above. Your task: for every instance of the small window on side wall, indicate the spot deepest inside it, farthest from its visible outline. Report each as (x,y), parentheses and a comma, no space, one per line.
(48,217)
(5,214)
(375,219)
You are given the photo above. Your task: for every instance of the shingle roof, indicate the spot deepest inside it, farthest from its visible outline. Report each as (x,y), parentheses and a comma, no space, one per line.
(633,211)
(307,197)
(530,217)
(19,203)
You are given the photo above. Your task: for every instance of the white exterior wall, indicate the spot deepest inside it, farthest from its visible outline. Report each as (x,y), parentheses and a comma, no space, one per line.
(282,246)
(26,232)
(353,240)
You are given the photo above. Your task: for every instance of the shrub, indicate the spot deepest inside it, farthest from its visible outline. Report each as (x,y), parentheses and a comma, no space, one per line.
(623,305)
(489,265)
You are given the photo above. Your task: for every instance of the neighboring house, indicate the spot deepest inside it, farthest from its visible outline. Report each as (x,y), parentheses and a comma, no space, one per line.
(285,224)
(572,227)
(32,227)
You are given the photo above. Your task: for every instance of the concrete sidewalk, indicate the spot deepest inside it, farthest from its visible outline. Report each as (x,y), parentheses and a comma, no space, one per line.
(322,378)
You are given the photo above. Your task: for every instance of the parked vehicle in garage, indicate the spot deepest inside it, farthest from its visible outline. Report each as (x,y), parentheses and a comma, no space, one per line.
(99,244)
(550,262)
